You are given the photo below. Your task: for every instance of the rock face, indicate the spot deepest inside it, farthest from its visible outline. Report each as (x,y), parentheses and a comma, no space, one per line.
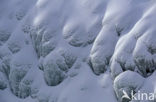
(51,47)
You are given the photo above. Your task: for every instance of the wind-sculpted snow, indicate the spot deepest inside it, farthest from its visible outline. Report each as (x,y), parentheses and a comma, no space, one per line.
(76,50)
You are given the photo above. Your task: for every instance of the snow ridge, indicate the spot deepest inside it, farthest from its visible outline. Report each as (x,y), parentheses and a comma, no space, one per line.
(76,51)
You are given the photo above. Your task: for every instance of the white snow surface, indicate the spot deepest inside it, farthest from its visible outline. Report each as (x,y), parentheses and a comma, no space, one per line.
(76,50)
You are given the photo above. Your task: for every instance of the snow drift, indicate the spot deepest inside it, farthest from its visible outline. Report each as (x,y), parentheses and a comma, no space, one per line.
(76,50)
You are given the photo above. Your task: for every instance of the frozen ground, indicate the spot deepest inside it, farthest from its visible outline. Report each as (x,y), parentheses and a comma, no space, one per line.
(76,50)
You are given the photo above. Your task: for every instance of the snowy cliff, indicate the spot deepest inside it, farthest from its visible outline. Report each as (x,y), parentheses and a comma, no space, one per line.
(76,50)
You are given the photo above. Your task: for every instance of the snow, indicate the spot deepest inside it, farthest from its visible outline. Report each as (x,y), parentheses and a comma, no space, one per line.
(76,50)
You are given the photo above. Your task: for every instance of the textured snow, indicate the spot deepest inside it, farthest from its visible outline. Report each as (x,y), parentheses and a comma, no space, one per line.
(76,50)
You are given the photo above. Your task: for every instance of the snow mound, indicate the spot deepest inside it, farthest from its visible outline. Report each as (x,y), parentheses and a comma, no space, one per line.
(80,50)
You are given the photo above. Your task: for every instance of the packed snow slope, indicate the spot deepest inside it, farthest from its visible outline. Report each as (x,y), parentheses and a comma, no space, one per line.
(76,50)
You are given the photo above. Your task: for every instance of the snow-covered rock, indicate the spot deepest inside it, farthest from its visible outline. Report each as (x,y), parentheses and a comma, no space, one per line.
(76,50)
(125,82)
